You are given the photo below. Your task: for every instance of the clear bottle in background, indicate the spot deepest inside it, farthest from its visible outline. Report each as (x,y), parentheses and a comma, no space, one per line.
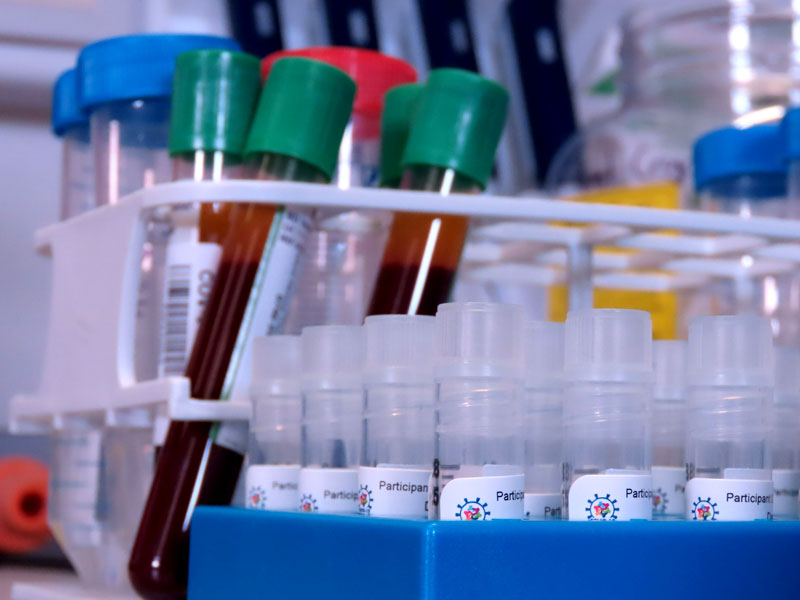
(730,396)
(450,149)
(214,94)
(71,124)
(608,384)
(125,84)
(478,469)
(395,471)
(302,112)
(400,106)
(542,418)
(785,433)
(274,452)
(333,401)
(743,171)
(341,260)
(669,429)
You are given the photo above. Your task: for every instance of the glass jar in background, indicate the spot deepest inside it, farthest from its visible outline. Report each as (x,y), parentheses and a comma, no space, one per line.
(685,68)
(342,256)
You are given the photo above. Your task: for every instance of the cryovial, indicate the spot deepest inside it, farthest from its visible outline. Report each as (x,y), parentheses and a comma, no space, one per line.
(333,399)
(71,124)
(274,451)
(214,94)
(341,259)
(743,171)
(669,429)
(542,418)
(785,433)
(450,149)
(729,395)
(397,453)
(399,109)
(608,381)
(302,112)
(125,84)
(478,466)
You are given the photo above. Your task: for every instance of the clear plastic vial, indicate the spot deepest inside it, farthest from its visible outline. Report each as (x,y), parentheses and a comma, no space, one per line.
(729,394)
(790,130)
(785,433)
(333,401)
(478,469)
(274,451)
(608,373)
(669,429)
(394,477)
(542,420)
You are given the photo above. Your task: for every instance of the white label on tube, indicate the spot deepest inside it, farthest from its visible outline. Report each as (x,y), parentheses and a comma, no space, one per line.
(611,497)
(728,499)
(786,482)
(542,506)
(272,487)
(190,270)
(328,490)
(270,295)
(669,491)
(483,498)
(393,492)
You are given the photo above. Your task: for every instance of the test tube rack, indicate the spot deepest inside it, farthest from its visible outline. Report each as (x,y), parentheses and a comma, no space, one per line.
(88,363)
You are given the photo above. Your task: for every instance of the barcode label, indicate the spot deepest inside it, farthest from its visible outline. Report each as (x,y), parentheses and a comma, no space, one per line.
(190,271)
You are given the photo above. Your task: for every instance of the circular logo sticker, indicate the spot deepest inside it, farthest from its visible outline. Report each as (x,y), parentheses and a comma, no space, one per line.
(660,501)
(257,497)
(601,508)
(473,510)
(704,510)
(364,500)
(308,503)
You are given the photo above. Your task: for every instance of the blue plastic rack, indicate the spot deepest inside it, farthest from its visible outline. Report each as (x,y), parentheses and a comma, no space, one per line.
(238,553)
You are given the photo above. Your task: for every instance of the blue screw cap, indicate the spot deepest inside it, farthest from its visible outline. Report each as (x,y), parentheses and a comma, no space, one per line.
(66,113)
(136,66)
(790,130)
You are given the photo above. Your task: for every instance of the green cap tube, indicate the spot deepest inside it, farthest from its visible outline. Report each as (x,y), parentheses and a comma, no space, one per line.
(304,108)
(458,124)
(214,94)
(399,109)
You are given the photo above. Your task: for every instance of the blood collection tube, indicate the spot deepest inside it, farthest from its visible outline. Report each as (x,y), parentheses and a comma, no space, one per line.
(214,93)
(669,429)
(785,433)
(399,109)
(71,124)
(274,452)
(450,149)
(542,418)
(302,112)
(478,471)
(398,416)
(608,380)
(333,399)
(729,394)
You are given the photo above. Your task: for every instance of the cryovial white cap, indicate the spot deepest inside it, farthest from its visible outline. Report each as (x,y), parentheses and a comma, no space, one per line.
(276,365)
(398,349)
(479,339)
(731,350)
(669,364)
(787,375)
(332,357)
(543,349)
(605,344)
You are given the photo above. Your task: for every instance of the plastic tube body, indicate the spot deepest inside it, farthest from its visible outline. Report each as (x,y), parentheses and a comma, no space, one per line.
(77,172)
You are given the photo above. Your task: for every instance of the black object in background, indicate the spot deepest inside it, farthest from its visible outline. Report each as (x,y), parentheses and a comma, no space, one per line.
(256,25)
(351,23)
(543,75)
(448,36)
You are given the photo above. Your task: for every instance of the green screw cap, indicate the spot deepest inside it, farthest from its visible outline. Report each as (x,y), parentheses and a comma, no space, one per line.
(214,94)
(399,109)
(304,108)
(458,124)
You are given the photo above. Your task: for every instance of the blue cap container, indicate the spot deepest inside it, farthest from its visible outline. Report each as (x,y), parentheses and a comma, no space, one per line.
(66,111)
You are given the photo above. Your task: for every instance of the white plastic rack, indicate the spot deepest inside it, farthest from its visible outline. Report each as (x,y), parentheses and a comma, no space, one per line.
(88,364)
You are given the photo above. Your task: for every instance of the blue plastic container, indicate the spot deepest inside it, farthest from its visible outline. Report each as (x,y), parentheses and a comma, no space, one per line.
(239,553)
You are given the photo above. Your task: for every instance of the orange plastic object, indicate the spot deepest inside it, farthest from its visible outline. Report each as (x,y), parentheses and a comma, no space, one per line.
(23,504)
